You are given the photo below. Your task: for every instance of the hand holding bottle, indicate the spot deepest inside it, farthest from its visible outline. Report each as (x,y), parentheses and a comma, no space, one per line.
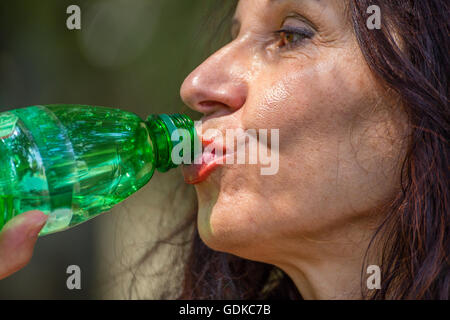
(17,240)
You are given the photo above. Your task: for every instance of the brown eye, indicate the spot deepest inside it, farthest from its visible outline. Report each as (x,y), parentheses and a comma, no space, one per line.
(290,38)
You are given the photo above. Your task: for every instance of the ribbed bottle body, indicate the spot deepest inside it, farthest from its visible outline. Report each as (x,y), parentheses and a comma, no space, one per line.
(72,162)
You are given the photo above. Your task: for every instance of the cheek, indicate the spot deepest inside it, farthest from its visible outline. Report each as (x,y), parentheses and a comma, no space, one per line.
(309,98)
(332,167)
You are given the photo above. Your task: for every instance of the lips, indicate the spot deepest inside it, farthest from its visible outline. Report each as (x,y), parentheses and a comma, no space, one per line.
(205,163)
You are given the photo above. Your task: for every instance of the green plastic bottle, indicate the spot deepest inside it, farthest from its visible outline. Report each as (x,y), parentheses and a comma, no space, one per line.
(74,162)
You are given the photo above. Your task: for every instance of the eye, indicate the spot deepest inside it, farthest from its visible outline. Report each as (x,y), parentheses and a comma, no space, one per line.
(292,37)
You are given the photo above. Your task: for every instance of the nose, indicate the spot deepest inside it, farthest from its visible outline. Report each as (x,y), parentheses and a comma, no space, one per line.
(218,84)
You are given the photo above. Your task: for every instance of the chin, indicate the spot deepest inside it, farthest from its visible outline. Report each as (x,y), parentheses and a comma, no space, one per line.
(231,212)
(226,226)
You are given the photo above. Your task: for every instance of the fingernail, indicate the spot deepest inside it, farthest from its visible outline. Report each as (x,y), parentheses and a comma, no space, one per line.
(36,217)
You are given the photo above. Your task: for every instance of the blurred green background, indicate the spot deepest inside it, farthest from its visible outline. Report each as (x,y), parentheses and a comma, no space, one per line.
(130,54)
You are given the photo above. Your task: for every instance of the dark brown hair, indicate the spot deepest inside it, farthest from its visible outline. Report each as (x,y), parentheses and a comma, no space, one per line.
(415,256)
(415,243)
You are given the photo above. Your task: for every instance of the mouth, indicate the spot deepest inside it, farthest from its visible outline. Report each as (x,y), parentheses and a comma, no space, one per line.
(205,163)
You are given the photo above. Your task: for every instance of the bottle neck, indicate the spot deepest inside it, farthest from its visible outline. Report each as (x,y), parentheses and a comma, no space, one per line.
(165,134)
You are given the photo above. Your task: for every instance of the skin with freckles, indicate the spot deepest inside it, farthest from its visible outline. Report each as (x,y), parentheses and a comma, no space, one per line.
(296,66)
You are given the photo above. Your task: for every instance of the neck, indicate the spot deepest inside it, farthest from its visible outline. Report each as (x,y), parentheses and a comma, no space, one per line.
(330,267)
(333,280)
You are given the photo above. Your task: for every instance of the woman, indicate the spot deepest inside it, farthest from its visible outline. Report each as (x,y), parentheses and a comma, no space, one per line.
(363,172)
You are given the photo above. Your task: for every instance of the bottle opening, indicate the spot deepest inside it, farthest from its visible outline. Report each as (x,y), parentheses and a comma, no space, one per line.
(174,138)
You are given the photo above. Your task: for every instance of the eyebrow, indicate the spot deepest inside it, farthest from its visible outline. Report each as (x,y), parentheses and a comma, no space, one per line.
(235,22)
(273,1)
(345,8)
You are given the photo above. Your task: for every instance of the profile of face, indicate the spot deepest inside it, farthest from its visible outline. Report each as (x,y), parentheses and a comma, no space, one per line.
(296,66)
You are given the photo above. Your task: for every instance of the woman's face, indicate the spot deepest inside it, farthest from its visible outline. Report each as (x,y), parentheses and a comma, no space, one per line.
(339,130)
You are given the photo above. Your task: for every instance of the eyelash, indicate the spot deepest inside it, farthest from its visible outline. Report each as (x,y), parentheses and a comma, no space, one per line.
(303,33)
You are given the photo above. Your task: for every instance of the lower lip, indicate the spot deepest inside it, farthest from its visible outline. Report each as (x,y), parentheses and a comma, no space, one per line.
(196,173)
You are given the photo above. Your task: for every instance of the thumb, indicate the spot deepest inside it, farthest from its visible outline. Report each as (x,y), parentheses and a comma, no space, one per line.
(17,240)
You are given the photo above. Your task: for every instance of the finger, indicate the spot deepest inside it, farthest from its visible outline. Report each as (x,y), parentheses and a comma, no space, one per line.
(17,240)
